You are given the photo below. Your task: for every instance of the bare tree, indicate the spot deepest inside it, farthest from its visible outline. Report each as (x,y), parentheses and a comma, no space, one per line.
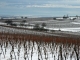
(43,25)
(9,22)
(36,27)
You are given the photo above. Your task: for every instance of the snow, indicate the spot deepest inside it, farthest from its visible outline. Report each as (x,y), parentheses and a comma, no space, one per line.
(1,23)
(29,27)
(42,51)
(77,29)
(75,22)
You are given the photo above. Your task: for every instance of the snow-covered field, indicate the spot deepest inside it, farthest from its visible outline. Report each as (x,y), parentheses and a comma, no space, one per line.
(22,31)
(77,29)
(28,50)
(65,25)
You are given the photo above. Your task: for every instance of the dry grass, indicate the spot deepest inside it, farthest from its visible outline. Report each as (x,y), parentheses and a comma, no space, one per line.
(40,38)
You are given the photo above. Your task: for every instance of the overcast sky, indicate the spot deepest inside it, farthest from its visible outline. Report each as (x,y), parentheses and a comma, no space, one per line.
(39,8)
